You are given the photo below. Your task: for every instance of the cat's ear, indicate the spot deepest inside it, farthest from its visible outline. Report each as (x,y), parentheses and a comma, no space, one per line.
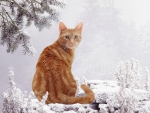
(79,26)
(62,27)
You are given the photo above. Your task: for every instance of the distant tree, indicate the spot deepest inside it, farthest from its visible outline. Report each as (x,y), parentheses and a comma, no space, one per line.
(100,31)
(109,38)
(12,12)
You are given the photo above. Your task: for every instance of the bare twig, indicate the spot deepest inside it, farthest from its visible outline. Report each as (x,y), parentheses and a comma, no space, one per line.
(36,1)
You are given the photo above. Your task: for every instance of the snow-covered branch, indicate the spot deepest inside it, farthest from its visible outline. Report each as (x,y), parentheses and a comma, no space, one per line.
(42,12)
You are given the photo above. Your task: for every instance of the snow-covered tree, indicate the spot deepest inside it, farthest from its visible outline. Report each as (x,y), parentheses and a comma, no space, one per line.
(128,74)
(109,34)
(16,101)
(12,12)
(13,97)
(147,83)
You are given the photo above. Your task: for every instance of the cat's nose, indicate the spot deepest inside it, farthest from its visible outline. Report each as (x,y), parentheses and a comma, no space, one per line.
(71,41)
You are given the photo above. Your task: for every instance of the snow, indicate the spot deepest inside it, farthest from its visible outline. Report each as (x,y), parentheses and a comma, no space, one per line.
(109,88)
(103,90)
(103,108)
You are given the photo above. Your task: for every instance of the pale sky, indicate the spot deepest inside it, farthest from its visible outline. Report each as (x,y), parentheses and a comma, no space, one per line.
(137,11)
(134,10)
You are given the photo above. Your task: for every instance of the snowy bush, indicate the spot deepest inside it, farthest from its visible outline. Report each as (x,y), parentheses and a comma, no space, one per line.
(125,101)
(13,97)
(16,101)
(147,83)
(128,74)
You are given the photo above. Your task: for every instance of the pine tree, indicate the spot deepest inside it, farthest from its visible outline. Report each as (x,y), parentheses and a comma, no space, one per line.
(12,12)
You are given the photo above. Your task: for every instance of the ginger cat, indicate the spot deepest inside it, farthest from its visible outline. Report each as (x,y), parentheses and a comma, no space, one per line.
(53,70)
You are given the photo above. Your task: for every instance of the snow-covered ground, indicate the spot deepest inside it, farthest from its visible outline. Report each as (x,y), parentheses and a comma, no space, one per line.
(105,91)
(107,95)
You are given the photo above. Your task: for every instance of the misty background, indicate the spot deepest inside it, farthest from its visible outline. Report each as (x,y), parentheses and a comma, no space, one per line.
(113,31)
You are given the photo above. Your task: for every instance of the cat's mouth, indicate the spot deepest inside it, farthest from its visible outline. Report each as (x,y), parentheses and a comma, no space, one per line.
(71,46)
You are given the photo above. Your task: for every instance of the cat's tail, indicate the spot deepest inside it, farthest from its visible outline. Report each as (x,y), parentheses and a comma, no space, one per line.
(88,98)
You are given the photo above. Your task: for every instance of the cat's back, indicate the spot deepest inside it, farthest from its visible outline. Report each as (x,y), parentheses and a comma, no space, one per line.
(55,54)
(51,51)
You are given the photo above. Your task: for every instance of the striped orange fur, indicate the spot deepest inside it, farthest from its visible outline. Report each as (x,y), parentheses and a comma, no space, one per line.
(53,70)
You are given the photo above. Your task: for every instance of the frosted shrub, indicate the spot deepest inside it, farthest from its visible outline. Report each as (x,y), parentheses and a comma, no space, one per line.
(16,101)
(147,83)
(125,101)
(128,74)
(13,97)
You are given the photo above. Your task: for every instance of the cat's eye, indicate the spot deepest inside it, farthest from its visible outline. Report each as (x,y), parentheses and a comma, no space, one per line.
(67,37)
(76,36)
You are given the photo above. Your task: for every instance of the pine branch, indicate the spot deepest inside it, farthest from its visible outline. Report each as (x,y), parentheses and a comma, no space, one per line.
(21,7)
(37,2)
(13,23)
(4,19)
(32,7)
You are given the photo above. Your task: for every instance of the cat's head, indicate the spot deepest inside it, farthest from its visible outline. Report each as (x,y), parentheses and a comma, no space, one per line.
(70,38)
